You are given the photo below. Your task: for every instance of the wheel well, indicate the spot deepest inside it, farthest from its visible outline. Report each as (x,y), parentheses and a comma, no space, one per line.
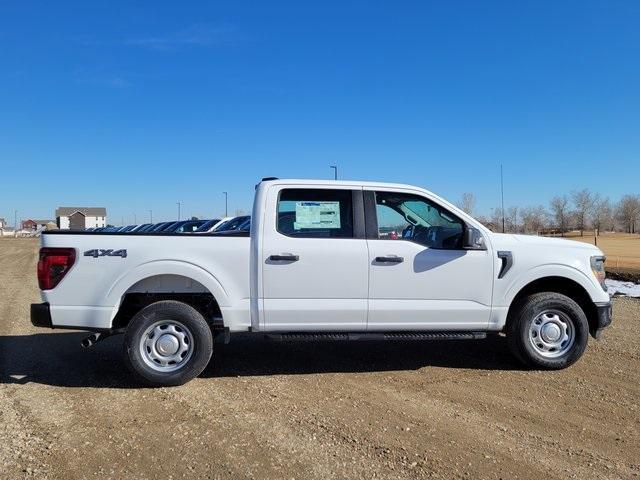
(168,287)
(564,286)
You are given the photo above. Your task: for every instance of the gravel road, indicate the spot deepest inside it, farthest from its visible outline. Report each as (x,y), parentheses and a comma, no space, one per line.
(325,410)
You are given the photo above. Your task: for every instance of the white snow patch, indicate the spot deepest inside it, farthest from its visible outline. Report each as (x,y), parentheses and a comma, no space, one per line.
(618,287)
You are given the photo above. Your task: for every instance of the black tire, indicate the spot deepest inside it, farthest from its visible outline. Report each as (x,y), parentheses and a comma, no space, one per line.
(520,321)
(189,325)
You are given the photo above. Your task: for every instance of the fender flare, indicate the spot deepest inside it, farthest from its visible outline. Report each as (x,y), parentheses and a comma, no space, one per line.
(552,270)
(165,267)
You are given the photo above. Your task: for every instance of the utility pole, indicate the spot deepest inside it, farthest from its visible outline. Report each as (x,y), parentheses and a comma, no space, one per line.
(15,220)
(226,204)
(135,219)
(335,171)
(502,195)
(179,205)
(150,216)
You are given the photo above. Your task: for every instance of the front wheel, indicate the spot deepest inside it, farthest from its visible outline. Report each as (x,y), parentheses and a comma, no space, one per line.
(547,330)
(167,343)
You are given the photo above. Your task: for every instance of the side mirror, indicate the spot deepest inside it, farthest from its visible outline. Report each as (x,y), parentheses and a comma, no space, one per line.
(472,239)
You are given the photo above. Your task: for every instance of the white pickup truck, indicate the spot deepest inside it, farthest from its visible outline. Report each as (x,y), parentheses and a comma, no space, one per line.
(334,260)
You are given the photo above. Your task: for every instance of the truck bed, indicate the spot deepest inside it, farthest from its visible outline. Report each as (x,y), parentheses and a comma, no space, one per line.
(110,265)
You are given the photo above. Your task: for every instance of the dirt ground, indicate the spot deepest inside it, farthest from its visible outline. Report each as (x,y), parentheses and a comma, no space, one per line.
(324,410)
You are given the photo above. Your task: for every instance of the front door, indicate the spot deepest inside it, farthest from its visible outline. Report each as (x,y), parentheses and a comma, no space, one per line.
(420,278)
(314,260)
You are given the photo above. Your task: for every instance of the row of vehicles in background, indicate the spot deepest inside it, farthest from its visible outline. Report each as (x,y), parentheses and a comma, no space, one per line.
(241,223)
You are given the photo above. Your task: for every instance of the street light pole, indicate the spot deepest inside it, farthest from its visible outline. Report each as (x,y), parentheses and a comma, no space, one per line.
(335,171)
(226,204)
(178,210)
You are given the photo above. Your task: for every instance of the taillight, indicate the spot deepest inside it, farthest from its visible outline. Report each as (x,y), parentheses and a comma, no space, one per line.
(53,265)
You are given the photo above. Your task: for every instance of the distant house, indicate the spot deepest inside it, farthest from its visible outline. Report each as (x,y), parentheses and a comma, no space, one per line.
(30,225)
(33,225)
(80,218)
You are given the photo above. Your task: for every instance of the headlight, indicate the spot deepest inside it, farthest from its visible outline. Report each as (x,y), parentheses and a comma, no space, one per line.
(597,266)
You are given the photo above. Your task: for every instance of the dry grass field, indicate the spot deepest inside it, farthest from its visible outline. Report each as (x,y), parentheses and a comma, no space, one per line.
(622,249)
(392,410)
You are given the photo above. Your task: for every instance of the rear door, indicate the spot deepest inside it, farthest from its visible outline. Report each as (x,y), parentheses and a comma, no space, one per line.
(314,260)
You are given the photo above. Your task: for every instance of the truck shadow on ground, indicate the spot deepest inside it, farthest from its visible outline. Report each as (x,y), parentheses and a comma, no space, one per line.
(57,359)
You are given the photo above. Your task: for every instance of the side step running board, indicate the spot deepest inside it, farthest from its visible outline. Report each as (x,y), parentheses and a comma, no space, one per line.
(347,336)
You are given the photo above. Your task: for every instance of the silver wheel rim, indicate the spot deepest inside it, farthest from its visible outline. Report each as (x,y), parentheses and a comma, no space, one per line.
(166,346)
(552,334)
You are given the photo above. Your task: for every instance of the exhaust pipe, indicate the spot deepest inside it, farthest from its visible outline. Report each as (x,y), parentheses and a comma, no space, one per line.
(94,338)
(91,340)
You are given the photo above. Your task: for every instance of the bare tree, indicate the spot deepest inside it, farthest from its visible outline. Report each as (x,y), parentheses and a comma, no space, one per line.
(534,219)
(468,203)
(496,219)
(512,219)
(603,218)
(583,200)
(560,211)
(581,209)
(628,212)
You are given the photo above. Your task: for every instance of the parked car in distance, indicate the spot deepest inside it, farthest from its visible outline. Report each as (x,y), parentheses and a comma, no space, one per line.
(321,263)
(160,226)
(210,225)
(245,226)
(232,224)
(186,226)
(138,228)
(146,228)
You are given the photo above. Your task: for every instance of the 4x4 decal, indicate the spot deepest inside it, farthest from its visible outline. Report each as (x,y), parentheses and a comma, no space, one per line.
(95,253)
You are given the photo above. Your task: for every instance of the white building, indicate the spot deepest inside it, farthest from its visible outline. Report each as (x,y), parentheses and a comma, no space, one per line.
(81,218)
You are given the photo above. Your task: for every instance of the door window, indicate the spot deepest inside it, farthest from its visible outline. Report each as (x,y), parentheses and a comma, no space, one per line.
(315,213)
(404,216)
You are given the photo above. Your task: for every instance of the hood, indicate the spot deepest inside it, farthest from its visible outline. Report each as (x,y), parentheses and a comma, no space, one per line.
(505,239)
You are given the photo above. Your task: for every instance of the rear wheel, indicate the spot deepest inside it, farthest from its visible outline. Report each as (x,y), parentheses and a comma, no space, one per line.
(547,330)
(167,343)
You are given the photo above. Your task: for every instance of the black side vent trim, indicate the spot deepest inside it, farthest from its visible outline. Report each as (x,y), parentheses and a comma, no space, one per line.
(507,262)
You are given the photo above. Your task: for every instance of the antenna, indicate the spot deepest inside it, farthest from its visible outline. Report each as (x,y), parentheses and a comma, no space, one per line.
(502,195)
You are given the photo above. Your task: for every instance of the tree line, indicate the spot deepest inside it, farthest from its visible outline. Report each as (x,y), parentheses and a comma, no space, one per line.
(581,210)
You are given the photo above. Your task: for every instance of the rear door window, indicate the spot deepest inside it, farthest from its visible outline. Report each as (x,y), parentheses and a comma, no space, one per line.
(315,213)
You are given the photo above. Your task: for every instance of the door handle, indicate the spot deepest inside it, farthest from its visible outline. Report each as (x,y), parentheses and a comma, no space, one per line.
(390,259)
(284,258)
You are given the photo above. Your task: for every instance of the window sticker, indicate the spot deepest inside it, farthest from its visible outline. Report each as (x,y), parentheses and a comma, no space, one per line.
(317,215)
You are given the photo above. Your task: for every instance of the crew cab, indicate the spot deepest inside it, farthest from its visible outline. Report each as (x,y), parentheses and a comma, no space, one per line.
(336,260)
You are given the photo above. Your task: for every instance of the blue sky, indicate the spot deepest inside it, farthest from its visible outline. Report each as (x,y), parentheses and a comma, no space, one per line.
(138,106)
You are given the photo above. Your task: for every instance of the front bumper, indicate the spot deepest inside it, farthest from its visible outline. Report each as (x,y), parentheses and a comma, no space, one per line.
(604,315)
(41,315)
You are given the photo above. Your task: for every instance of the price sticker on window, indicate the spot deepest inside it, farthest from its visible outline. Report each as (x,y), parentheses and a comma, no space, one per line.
(317,215)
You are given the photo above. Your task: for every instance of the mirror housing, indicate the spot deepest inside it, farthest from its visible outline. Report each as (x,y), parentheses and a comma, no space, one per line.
(472,239)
